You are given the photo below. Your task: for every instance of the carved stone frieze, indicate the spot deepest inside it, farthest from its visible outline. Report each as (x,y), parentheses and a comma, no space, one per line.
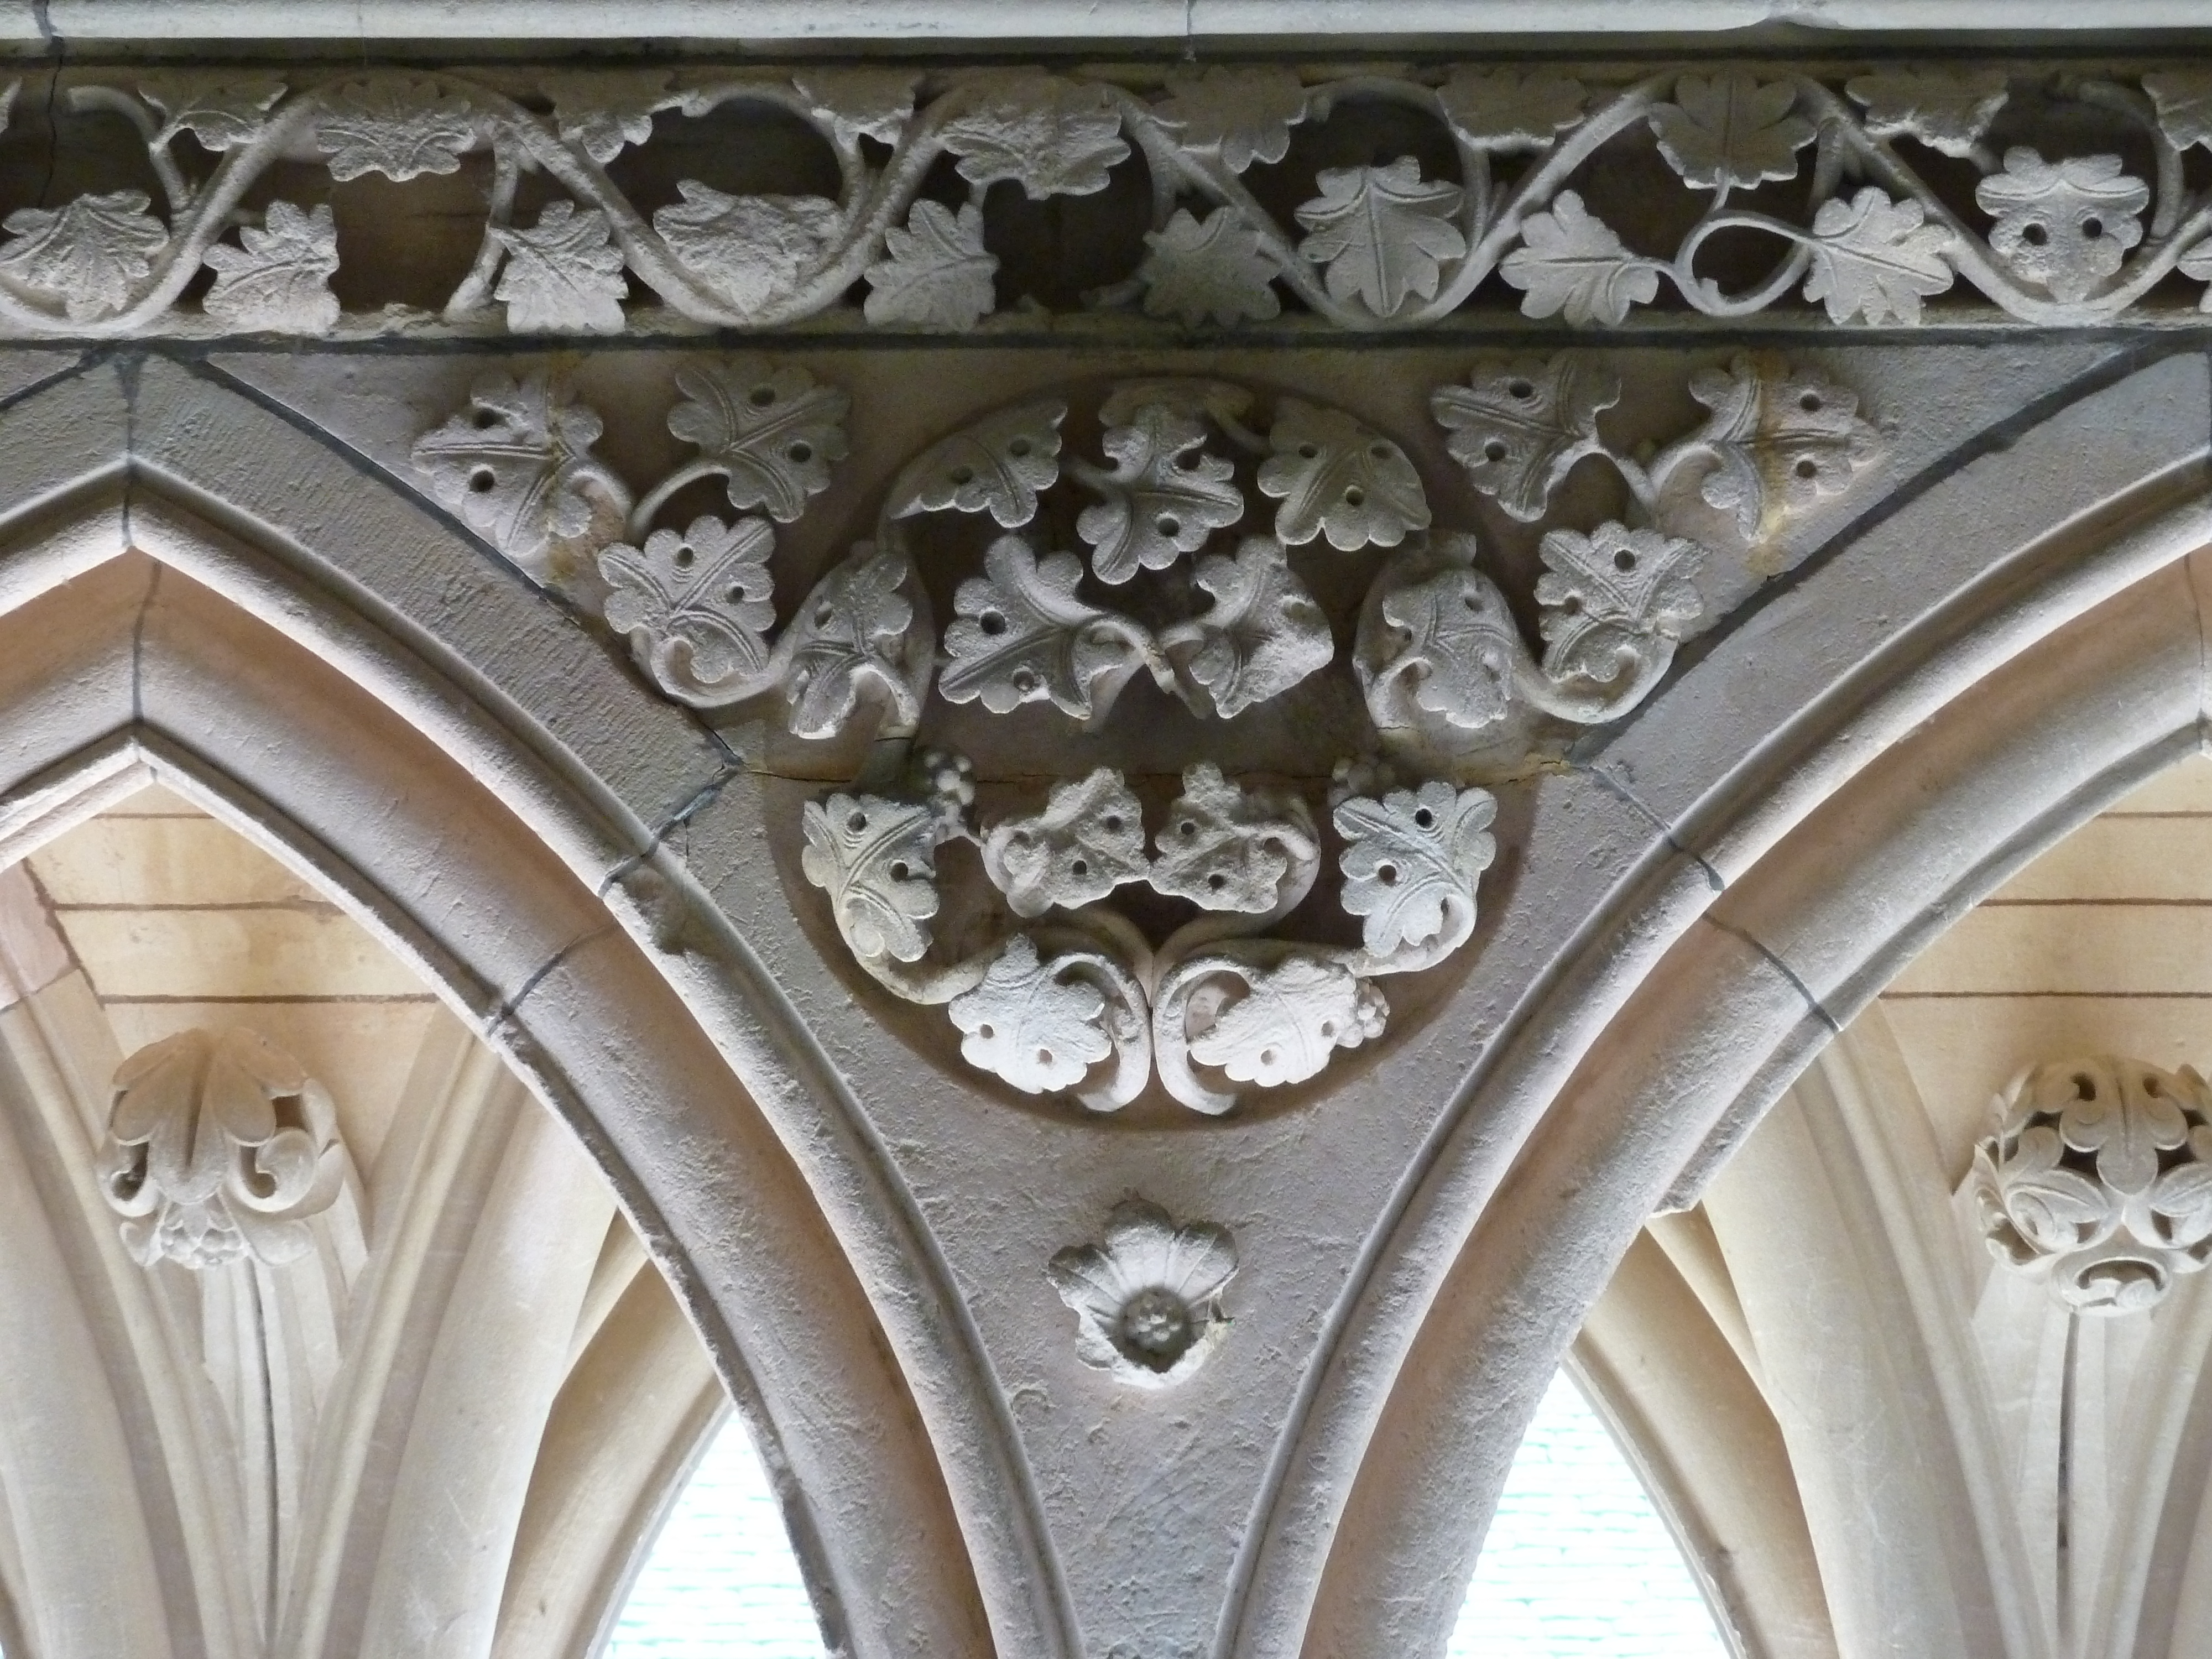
(1147,1303)
(2025,183)
(2099,1176)
(219,1148)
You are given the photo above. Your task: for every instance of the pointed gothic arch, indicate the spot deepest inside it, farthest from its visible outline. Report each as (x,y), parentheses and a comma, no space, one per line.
(201,589)
(1972,674)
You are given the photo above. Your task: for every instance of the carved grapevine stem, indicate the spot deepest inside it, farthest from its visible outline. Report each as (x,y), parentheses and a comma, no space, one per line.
(2046,235)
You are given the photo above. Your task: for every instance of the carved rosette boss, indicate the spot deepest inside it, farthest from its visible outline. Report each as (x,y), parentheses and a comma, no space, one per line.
(2099,1176)
(219,1148)
(1147,1303)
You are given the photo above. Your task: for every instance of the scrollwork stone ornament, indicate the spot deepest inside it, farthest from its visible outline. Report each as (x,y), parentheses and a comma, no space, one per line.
(219,1148)
(1147,1302)
(2054,231)
(2099,1178)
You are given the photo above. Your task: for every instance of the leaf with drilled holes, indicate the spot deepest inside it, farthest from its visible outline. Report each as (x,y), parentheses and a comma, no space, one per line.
(696,606)
(519,466)
(1227,848)
(851,633)
(279,281)
(1781,441)
(1382,232)
(1730,130)
(1087,842)
(766,427)
(1570,265)
(1875,259)
(938,274)
(563,276)
(1518,427)
(1055,137)
(875,860)
(1023,635)
(750,250)
(995,465)
(88,254)
(1611,596)
(1216,268)
(1027,1024)
(1410,861)
(394,124)
(1163,498)
(1290,1020)
(221,111)
(2066,225)
(1459,649)
(1263,635)
(1242,115)
(1945,109)
(1338,478)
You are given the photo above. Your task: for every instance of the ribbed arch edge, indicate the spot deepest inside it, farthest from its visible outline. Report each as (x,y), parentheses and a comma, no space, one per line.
(1970,678)
(434,771)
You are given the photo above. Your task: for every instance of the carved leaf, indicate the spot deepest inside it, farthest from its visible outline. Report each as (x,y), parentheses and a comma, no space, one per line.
(768,427)
(1611,595)
(518,467)
(1338,478)
(1263,635)
(2183,1195)
(696,606)
(1572,265)
(1194,269)
(1165,496)
(1781,440)
(860,103)
(851,632)
(1025,1024)
(1054,137)
(1290,1022)
(875,860)
(1730,130)
(2065,225)
(1023,635)
(603,112)
(938,274)
(1460,650)
(1087,842)
(1876,258)
(1242,115)
(394,124)
(1227,848)
(997,465)
(2182,98)
(220,111)
(1518,427)
(1411,858)
(1504,110)
(88,255)
(1382,231)
(751,249)
(563,276)
(1945,110)
(278,282)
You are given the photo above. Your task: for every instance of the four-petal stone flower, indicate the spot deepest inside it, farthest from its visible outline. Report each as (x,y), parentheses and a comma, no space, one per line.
(1148,1303)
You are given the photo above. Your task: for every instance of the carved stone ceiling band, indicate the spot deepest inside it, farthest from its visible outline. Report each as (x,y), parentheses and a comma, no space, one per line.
(1355,196)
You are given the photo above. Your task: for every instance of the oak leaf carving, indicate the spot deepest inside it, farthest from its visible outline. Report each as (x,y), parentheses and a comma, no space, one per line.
(563,276)
(2182,100)
(1947,110)
(751,249)
(1875,259)
(1089,839)
(1730,130)
(222,111)
(1570,265)
(1290,1020)
(1382,234)
(1242,115)
(394,124)
(1460,647)
(937,273)
(1021,635)
(1054,137)
(89,254)
(279,280)
(1780,440)
(852,632)
(1216,268)
(1411,860)
(876,860)
(696,606)
(1611,596)
(1261,635)
(995,465)
(861,102)
(603,113)
(2064,225)
(1028,1024)
(1504,110)
(1165,495)
(1226,847)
